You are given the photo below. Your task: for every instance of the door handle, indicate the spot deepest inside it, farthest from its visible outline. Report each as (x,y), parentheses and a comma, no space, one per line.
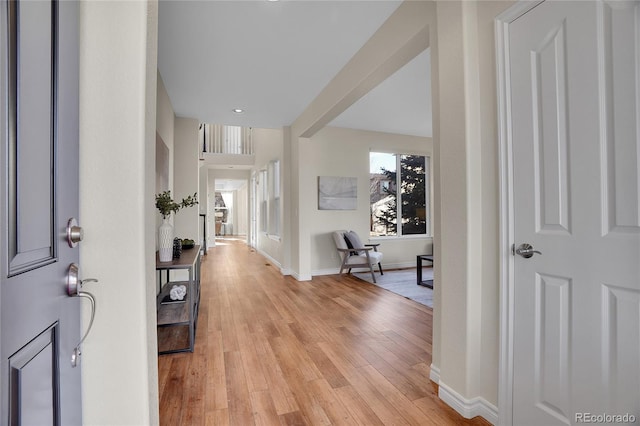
(74,289)
(525,250)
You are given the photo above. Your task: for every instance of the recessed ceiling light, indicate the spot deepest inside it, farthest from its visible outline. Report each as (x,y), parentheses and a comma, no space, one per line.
(238,110)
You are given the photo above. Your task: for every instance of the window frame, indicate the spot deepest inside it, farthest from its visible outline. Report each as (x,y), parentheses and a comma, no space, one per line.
(273,197)
(398,184)
(263,200)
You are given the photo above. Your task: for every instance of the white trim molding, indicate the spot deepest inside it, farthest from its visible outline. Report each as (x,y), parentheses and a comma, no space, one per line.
(299,277)
(270,259)
(285,271)
(504,415)
(434,374)
(328,271)
(400,265)
(468,408)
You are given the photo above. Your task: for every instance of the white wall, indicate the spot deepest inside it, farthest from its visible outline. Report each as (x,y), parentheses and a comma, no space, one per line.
(185,176)
(467,351)
(115,94)
(165,123)
(452,203)
(345,152)
(269,146)
(117,156)
(466,328)
(230,199)
(203,197)
(152,408)
(401,38)
(241,203)
(211,204)
(435,195)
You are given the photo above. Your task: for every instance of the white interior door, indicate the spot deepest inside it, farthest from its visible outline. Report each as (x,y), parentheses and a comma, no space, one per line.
(40,324)
(574,71)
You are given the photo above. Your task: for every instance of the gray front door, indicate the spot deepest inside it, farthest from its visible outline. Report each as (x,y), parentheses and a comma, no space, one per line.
(39,323)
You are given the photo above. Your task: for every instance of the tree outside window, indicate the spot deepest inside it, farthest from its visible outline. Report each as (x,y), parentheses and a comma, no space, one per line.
(388,204)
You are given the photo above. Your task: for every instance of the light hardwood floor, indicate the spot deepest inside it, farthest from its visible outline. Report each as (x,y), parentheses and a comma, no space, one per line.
(274,351)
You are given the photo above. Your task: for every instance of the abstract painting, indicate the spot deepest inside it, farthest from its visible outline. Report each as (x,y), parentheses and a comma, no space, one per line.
(337,193)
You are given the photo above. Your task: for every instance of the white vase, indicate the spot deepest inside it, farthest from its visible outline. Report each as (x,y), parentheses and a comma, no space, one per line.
(165,241)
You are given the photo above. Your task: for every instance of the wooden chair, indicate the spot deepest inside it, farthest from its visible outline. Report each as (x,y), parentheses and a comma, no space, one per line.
(354,254)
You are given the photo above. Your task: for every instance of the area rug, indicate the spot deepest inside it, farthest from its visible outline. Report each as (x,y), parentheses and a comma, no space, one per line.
(403,282)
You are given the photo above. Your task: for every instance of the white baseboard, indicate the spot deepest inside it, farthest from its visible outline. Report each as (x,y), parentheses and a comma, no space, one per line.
(434,375)
(283,271)
(299,277)
(330,271)
(400,265)
(270,259)
(468,408)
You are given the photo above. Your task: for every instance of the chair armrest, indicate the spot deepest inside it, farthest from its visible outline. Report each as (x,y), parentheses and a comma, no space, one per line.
(375,246)
(356,249)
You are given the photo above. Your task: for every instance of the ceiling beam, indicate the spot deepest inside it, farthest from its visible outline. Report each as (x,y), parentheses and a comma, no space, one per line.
(400,39)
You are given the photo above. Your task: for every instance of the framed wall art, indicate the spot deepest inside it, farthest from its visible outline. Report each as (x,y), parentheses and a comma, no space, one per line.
(337,193)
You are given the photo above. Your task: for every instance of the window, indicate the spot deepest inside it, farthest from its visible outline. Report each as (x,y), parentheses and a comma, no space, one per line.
(274,198)
(263,196)
(269,197)
(388,204)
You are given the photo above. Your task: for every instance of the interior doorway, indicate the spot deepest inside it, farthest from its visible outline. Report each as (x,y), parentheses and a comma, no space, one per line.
(230,209)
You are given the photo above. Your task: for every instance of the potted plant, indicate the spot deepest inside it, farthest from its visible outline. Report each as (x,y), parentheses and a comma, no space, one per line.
(166,206)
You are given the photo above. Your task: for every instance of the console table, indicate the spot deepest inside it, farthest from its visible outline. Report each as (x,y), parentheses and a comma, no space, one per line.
(419,259)
(177,319)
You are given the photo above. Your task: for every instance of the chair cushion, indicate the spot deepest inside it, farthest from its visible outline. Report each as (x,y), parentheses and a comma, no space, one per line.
(346,240)
(361,259)
(339,240)
(349,245)
(354,239)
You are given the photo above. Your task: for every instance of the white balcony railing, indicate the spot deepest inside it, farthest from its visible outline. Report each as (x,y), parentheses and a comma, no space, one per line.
(221,139)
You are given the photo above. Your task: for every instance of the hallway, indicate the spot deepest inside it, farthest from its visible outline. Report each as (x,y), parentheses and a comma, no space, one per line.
(271,350)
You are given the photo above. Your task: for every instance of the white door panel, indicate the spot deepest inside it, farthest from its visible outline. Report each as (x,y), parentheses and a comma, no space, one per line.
(619,51)
(574,70)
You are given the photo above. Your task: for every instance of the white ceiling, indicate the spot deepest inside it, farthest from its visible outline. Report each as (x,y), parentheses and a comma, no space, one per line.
(400,104)
(273,58)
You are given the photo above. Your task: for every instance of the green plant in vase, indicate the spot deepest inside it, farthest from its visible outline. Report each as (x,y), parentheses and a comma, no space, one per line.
(166,206)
